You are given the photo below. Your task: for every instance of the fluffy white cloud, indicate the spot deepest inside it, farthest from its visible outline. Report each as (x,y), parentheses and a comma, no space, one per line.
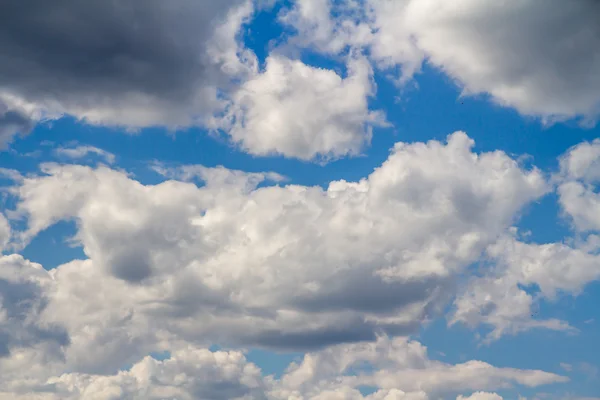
(302,111)
(291,267)
(509,50)
(498,298)
(398,368)
(315,28)
(577,185)
(28,344)
(189,373)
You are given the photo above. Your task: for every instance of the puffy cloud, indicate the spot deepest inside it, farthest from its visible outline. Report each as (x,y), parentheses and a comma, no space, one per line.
(82,151)
(289,267)
(189,373)
(129,63)
(510,50)
(498,298)
(302,111)
(177,65)
(582,162)
(315,28)
(28,344)
(399,369)
(577,185)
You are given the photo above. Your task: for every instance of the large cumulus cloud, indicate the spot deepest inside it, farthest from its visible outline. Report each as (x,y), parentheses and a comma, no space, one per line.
(276,266)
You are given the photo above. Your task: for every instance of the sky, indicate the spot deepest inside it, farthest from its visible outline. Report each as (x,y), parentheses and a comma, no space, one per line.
(300,199)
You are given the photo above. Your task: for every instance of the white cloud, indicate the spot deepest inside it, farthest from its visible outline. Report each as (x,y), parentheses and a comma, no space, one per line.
(481,396)
(5,232)
(315,28)
(302,111)
(389,364)
(577,185)
(398,368)
(497,300)
(509,50)
(83,151)
(285,267)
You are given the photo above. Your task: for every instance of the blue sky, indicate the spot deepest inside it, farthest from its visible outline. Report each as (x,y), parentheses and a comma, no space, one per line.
(275,241)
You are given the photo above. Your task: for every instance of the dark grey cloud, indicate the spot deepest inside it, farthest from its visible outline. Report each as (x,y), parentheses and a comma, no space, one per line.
(114,62)
(13,122)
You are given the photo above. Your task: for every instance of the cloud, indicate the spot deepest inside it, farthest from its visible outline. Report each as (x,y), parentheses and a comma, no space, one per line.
(399,369)
(5,232)
(511,51)
(217,176)
(79,152)
(290,266)
(577,186)
(27,342)
(401,364)
(499,299)
(178,65)
(13,122)
(522,274)
(131,63)
(305,112)
(481,396)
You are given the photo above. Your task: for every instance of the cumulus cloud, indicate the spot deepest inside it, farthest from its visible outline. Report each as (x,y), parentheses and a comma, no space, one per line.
(522,274)
(399,369)
(130,63)
(27,342)
(275,266)
(577,186)
(402,365)
(499,299)
(304,112)
(177,65)
(510,50)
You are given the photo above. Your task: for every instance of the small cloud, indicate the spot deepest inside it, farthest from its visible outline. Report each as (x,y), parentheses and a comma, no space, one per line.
(590,370)
(82,151)
(566,366)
